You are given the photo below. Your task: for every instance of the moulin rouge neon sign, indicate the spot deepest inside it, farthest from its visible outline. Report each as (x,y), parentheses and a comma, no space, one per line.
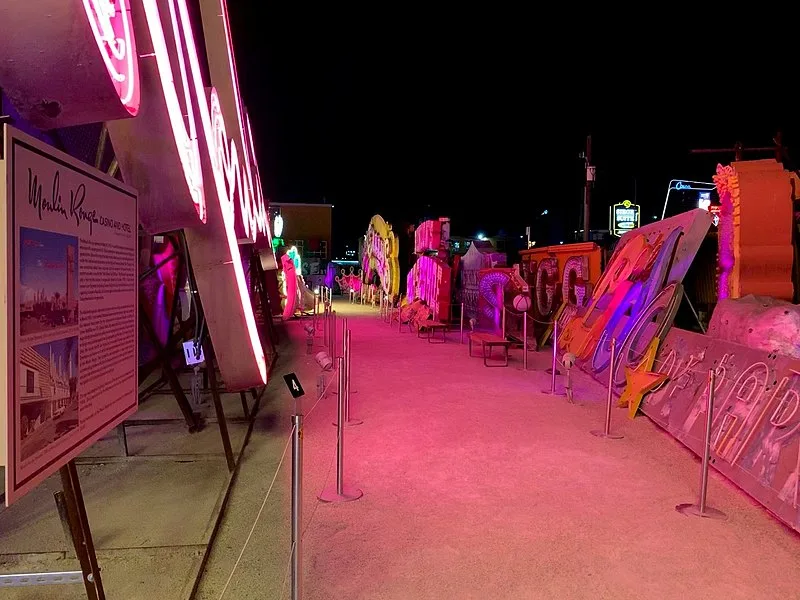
(231,178)
(110,21)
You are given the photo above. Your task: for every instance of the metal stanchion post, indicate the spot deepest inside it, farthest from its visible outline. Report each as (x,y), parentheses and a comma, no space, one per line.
(462,324)
(297,507)
(339,492)
(333,334)
(325,324)
(612,365)
(701,509)
(348,420)
(344,344)
(525,341)
(553,370)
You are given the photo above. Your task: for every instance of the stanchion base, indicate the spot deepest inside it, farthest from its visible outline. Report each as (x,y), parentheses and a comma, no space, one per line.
(549,392)
(349,422)
(693,510)
(610,436)
(348,494)
(549,371)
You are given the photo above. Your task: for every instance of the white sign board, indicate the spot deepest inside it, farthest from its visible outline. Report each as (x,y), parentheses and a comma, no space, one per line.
(69,336)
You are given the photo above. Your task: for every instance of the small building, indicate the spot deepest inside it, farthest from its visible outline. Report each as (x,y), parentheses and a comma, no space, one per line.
(309,228)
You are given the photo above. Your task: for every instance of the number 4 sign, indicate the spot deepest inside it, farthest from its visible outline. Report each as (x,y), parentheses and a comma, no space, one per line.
(293,383)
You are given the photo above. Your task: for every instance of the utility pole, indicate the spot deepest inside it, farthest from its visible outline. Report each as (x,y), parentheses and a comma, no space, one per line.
(587,189)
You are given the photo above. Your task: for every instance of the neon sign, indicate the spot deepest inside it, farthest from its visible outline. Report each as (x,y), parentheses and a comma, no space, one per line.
(110,21)
(295,257)
(277,226)
(251,199)
(223,157)
(624,217)
(181,114)
(638,294)
(429,280)
(380,255)
(683,185)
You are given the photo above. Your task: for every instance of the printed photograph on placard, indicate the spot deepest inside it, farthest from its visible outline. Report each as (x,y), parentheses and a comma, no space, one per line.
(48,393)
(48,295)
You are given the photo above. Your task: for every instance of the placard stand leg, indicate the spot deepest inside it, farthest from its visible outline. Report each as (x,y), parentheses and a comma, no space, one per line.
(80,532)
(122,438)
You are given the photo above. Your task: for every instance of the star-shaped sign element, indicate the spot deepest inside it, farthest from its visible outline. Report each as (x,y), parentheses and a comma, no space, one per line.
(641,380)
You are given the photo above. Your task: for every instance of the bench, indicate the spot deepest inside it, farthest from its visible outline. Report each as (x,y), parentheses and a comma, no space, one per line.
(489,340)
(431,327)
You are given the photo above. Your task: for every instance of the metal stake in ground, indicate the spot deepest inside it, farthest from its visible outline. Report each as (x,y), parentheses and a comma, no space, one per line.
(701,509)
(612,364)
(297,507)
(339,492)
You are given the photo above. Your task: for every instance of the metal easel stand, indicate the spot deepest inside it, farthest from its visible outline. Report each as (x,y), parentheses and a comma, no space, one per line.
(73,512)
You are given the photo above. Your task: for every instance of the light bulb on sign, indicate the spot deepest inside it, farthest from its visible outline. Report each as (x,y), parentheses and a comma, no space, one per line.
(277,226)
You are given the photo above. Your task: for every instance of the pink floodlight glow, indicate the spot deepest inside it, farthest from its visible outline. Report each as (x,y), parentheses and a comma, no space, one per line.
(184,130)
(110,21)
(221,178)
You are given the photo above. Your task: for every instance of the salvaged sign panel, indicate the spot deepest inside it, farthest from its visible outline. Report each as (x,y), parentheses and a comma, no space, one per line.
(755,439)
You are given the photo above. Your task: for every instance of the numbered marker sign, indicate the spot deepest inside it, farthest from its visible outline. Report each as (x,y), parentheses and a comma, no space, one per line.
(194,356)
(293,383)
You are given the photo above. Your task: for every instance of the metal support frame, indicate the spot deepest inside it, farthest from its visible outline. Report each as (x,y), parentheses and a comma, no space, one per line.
(164,357)
(218,409)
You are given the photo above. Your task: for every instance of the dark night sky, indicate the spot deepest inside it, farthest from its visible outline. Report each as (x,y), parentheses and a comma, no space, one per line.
(485,124)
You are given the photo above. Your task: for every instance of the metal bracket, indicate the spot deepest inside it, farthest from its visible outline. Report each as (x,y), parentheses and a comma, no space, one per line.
(28,579)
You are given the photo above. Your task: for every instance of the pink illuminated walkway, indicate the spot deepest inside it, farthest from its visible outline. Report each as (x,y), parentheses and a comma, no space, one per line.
(477,485)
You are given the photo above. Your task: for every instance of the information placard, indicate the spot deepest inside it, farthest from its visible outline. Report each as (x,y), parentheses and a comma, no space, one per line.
(70,327)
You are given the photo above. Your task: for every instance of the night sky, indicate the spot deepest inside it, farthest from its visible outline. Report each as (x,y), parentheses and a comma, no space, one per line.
(421,117)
